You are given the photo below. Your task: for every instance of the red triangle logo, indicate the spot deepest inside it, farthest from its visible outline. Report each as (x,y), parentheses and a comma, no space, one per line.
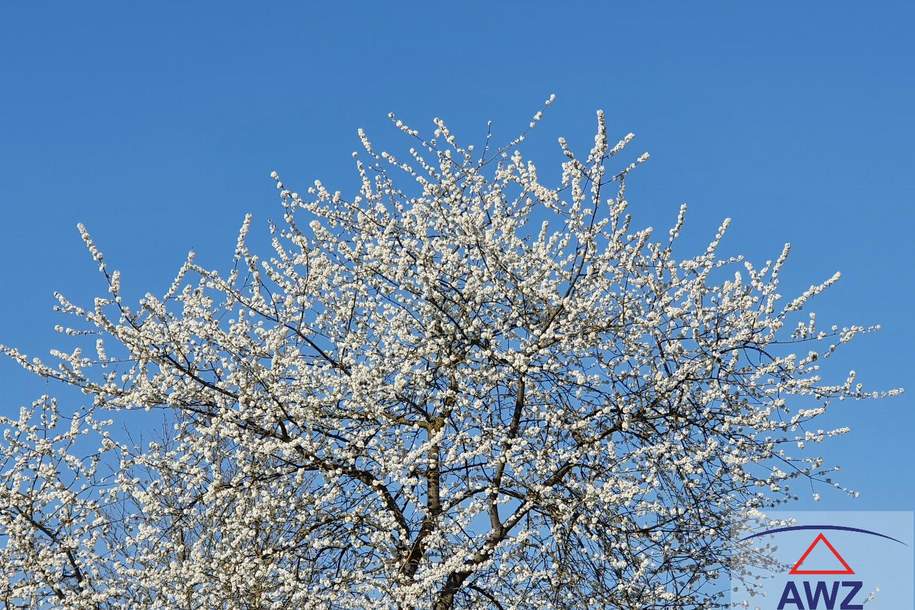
(821,538)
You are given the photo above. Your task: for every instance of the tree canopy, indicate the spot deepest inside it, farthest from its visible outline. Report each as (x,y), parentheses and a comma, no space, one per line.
(458,388)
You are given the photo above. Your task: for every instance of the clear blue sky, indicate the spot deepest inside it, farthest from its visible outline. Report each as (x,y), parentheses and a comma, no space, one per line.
(157,124)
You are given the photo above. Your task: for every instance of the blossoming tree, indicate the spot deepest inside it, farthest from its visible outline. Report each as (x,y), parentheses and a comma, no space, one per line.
(460,388)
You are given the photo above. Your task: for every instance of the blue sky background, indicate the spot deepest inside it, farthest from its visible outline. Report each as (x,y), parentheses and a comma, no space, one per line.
(157,126)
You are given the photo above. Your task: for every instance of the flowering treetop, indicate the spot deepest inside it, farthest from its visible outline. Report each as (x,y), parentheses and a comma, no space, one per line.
(460,388)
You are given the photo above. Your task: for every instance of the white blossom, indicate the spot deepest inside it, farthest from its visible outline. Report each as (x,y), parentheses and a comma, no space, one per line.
(460,388)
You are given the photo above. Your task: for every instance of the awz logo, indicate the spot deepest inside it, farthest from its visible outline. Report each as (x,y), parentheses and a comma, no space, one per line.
(816,591)
(823,593)
(819,591)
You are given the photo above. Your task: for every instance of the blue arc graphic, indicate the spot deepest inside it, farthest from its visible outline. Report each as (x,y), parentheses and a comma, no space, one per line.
(841,528)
